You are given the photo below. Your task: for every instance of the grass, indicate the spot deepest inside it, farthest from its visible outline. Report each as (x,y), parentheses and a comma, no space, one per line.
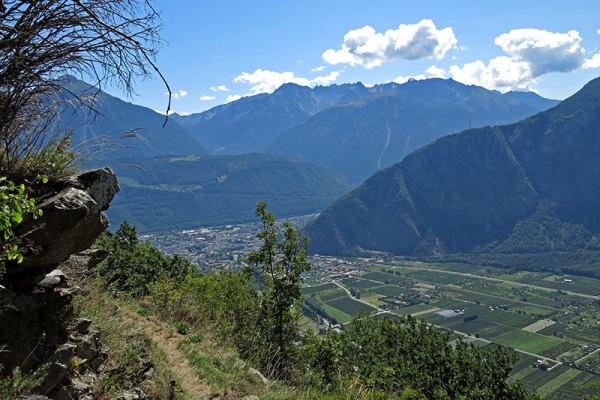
(526,341)
(340,317)
(413,309)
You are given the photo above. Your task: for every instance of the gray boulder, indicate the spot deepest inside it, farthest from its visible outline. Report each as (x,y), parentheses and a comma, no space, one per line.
(72,219)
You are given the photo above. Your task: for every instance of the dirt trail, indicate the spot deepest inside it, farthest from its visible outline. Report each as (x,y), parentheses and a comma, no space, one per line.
(167,341)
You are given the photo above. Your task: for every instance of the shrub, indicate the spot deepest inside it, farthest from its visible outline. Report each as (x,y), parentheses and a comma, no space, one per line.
(14,206)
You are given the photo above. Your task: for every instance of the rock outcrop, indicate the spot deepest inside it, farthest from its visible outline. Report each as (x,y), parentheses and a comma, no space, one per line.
(72,219)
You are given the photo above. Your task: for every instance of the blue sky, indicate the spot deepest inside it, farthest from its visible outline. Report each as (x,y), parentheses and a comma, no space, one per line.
(218,51)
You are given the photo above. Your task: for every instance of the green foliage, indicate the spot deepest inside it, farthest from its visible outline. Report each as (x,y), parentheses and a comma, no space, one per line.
(183,328)
(18,384)
(197,338)
(392,355)
(132,266)
(14,206)
(278,264)
(54,160)
(222,300)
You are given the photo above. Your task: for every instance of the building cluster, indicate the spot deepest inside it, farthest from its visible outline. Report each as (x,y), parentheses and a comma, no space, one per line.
(216,247)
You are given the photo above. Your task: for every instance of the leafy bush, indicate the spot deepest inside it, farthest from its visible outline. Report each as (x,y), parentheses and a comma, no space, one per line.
(183,328)
(195,338)
(18,384)
(132,267)
(14,206)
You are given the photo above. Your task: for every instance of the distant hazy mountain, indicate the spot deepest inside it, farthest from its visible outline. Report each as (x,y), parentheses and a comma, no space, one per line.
(250,123)
(513,193)
(533,99)
(117,117)
(359,136)
(187,192)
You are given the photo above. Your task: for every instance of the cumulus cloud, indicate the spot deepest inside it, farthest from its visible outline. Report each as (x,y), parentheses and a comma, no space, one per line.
(220,88)
(232,97)
(435,72)
(265,81)
(370,49)
(206,98)
(179,95)
(531,54)
(593,62)
(404,79)
(326,80)
(318,69)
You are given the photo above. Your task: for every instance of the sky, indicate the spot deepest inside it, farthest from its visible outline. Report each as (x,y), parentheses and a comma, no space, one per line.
(216,52)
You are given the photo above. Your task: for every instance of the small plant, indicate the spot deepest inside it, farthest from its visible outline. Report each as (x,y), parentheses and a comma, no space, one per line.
(19,384)
(195,338)
(142,311)
(183,328)
(14,206)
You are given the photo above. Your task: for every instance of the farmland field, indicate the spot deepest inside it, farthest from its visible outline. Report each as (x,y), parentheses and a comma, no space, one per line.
(349,306)
(533,312)
(529,342)
(318,288)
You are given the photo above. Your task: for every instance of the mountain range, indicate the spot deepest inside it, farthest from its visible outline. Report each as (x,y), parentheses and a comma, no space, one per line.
(166,193)
(106,134)
(529,187)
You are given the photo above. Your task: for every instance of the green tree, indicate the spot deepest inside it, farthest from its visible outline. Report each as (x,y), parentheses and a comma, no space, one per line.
(393,355)
(131,267)
(278,264)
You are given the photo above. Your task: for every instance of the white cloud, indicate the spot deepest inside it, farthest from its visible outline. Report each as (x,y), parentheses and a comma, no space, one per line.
(318,69)
(435,72)
(531,54)
(179,95)
(404,79)
(232,97)
(593,62)
(265,81)
(206,98)
(220,88)
(370,49)
(326,80)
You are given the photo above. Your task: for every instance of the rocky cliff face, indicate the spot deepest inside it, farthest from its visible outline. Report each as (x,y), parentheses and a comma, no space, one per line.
(72,219)
(35,297)
(472,188)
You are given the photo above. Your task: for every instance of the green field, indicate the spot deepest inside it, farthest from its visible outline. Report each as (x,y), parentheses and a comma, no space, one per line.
(318,288)
(350,306)
(526,341)
(502,309)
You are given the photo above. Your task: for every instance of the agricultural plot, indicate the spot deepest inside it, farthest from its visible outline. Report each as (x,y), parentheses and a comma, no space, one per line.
(350,306)
(384,277)
(416,309)
(332,294)
(339,316)
(392,291)
(529,342)
(357,283)
(561,348)
(316,289)
(557,382)
(539,378)
(536,310)
(584,382)
(509,318)
(539,325)
(458,267)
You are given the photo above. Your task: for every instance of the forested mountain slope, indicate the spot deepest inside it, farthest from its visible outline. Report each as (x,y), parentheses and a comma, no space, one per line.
(477,191)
